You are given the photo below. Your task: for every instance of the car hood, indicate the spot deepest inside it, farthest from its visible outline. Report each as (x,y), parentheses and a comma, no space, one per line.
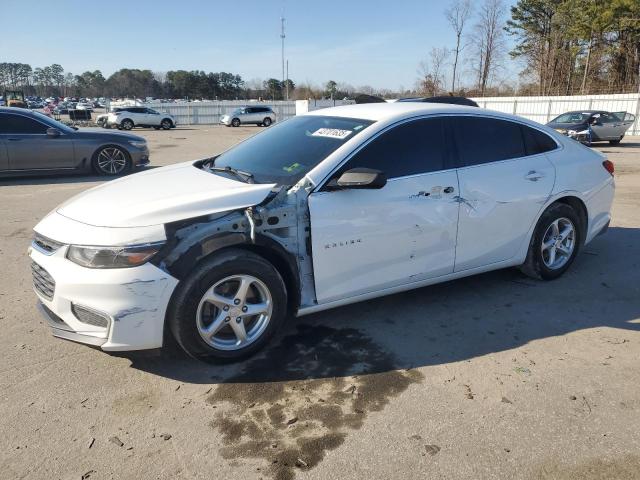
(160,196)
(568,126)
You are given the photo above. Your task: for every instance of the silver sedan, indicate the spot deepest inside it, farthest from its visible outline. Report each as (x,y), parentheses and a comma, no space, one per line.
(32,143)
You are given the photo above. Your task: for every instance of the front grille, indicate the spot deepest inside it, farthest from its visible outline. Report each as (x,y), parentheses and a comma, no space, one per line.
(89,317)
(44,284)
(46,245)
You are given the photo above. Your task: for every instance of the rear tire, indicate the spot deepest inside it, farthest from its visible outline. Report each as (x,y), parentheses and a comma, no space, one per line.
(191,316)
(556,241)
(616,142)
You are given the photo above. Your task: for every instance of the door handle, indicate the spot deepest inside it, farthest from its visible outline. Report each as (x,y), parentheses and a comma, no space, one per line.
(534,176)
(448,190)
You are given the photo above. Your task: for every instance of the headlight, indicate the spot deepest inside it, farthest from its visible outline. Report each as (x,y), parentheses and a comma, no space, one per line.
(113,257)
(138,143)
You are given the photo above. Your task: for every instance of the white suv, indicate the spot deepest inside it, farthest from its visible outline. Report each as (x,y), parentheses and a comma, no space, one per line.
(128,117)
(264,116)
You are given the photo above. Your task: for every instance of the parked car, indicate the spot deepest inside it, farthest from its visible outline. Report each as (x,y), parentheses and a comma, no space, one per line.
(264,116)
(32,143)
(328,208)
(84,106)
(127,118)
(442,99)
(101,119)
(593,125)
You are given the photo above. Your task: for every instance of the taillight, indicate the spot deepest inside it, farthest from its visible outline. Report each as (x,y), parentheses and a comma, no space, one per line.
(608,166)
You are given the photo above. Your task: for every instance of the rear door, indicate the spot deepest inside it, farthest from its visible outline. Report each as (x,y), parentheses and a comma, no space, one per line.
(367,240)
(624,121)
(29,147)
(505,178)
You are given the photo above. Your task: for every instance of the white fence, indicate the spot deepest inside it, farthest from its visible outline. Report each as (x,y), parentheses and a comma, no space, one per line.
(544,109)
(209,112)
(539,109)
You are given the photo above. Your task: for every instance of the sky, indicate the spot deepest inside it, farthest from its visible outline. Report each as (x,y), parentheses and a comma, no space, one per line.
(375,43)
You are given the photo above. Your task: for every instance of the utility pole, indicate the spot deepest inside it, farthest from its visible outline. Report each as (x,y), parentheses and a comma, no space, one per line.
(287,82)
(282,35)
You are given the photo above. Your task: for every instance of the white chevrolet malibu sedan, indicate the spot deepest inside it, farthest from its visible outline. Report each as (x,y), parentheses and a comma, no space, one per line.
(333,207)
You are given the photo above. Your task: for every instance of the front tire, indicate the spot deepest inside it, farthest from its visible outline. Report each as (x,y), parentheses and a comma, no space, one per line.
(235,122)
(166,124)
(616,142)
(111,160)
(126,124)
(555,243)
(229,307)
(266,122)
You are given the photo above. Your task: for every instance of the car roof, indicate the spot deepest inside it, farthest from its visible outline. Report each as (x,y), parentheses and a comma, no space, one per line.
(398,110)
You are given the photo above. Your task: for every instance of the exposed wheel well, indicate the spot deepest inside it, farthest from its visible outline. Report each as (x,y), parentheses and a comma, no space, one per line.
(278,259)
(289,275)
(579,206)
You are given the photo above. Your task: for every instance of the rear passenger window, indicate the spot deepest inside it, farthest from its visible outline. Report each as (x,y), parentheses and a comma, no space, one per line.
(482,140)
(408,149)
(537,142)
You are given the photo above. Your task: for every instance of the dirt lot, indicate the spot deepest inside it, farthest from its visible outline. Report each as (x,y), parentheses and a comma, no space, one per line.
(495,376)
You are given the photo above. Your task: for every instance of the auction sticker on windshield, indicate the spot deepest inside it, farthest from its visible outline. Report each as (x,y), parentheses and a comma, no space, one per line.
(332,133)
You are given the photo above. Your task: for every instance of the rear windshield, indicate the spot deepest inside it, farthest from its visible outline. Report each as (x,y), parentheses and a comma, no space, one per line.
(284,153)
(572,117)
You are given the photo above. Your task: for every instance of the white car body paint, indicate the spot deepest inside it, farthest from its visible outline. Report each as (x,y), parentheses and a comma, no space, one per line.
(365,243)
(141,199)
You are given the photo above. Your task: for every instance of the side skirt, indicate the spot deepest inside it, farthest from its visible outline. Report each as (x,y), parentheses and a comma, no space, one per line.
(306,310)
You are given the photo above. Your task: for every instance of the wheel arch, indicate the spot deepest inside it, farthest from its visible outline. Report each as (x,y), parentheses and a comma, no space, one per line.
(570,198)
(581,209)
(191,255)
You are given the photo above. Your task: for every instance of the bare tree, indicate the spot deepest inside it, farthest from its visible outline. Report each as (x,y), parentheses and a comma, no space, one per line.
(431,79)
(458,14)
(488,41)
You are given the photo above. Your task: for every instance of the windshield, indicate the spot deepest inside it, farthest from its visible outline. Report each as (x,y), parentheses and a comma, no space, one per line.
(572,117)
(284,153)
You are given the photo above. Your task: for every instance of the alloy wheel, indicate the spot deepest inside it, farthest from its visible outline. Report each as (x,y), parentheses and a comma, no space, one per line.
(112,161)
(234,312)
(558,243)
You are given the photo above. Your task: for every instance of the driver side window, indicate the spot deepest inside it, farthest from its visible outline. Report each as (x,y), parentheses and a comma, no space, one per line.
(408,149)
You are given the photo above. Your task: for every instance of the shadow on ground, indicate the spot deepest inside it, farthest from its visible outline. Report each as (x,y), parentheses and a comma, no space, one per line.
(325,373)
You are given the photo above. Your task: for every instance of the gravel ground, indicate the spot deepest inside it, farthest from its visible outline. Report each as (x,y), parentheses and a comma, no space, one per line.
(494,376)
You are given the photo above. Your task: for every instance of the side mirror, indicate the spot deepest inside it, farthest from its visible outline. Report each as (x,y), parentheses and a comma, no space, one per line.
(53,132)
(361,178)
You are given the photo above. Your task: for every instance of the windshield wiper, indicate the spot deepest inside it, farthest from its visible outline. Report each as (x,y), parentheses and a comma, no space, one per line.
(245,176)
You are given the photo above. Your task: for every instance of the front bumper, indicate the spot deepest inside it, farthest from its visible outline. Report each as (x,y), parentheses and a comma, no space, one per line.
(139,156)
(225,120)
(132,301)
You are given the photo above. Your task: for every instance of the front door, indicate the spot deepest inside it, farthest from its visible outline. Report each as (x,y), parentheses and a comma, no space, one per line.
(29,147)
(505,179)
(4,157)
(368,240)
